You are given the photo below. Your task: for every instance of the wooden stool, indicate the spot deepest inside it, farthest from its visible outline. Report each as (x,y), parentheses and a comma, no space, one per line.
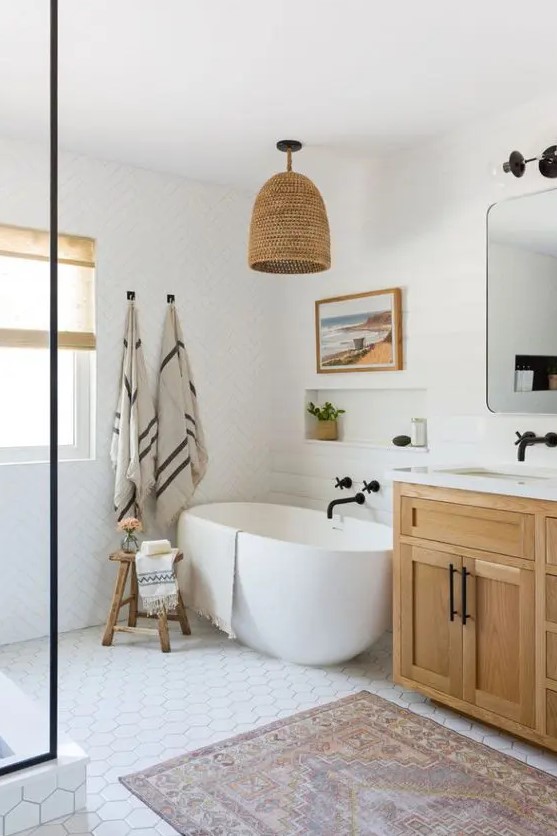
(126,562)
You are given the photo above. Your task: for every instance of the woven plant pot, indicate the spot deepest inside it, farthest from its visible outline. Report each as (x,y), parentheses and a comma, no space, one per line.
(326,430)
(289,230)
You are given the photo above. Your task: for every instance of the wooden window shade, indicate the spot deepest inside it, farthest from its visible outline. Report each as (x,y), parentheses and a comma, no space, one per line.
(25,290)
(18,242)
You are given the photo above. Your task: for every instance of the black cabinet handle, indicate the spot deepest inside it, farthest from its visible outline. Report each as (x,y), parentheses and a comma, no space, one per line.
(465,615)
(452,572)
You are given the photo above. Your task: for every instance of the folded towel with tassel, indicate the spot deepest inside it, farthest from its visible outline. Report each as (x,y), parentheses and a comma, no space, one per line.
(156,581)
(152,547)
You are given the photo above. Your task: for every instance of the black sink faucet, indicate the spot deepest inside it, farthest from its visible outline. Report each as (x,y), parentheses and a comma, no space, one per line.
(528,439)
(359,499)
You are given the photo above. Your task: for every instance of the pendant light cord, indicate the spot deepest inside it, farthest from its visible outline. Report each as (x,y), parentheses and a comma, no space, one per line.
(289,159)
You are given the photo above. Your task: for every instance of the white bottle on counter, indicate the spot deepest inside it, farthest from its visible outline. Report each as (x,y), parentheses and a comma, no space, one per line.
(527,379)
(418,433)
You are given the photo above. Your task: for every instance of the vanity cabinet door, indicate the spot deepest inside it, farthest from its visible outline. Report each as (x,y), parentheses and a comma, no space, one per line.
(499,639)
(430,630)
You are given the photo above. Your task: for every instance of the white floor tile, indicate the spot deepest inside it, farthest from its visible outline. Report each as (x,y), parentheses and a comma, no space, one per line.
(133,707)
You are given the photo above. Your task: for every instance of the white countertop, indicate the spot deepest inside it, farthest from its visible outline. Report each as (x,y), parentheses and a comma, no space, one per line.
(510,480)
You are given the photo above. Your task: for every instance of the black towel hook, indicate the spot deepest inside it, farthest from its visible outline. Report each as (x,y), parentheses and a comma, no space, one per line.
(170,298)
(131,295)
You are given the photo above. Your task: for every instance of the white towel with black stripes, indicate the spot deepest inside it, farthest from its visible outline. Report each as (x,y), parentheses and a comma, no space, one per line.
(134,435)
(182,455)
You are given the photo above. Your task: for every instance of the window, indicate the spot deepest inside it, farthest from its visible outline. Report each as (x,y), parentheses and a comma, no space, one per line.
(24,340)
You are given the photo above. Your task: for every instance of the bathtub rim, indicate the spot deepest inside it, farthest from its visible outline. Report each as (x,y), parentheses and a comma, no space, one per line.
(370,549)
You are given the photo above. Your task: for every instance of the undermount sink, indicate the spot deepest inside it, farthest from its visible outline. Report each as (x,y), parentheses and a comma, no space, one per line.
(522,476)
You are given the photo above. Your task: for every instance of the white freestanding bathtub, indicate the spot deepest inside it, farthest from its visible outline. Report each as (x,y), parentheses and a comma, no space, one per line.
(307,589)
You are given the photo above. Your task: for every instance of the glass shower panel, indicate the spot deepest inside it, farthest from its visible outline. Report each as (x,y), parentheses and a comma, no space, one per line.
(27,581)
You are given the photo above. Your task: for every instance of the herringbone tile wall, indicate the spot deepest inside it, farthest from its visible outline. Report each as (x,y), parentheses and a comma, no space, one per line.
(155,234)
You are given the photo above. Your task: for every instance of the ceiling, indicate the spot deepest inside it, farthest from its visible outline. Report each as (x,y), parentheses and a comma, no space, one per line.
(206,87)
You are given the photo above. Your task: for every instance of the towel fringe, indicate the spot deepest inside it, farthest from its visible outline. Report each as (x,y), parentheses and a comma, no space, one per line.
(164,603)
(218,622)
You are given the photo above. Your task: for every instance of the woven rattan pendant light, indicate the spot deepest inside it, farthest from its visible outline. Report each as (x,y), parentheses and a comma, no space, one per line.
(289,230)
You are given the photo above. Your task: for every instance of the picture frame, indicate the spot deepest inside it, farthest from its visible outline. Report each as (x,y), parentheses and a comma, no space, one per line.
(361,332)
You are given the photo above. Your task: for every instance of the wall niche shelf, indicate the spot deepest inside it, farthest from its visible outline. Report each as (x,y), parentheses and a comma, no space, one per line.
(365,445)
(373,416)
(376,381)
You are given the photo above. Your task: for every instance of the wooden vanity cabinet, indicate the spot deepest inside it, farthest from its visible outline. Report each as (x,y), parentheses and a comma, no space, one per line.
(475,605)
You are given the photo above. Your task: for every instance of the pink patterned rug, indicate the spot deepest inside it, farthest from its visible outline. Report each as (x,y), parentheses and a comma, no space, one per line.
(357,767)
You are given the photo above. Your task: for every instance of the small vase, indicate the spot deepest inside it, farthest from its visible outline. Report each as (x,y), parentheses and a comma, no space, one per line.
(130,544)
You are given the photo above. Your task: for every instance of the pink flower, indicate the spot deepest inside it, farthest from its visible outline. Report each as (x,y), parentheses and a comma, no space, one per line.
(130,525)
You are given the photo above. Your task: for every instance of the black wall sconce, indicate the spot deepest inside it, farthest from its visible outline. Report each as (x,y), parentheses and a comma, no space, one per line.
(547,163)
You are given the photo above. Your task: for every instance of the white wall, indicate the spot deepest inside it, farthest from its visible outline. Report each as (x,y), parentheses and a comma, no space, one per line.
(523,303)
(155,234)
(416,220)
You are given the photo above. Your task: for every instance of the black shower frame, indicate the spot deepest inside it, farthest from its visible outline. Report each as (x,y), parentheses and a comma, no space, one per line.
(53,363)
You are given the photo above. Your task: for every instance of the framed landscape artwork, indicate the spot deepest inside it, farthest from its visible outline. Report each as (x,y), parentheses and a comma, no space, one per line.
(359,333)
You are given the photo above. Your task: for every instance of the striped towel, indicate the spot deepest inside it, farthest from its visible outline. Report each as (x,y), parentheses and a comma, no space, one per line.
(156,581)
(182,456)
(134,434)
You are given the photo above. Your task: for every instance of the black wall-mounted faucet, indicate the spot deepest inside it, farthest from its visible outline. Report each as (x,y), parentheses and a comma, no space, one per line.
(359,499)
(528,439)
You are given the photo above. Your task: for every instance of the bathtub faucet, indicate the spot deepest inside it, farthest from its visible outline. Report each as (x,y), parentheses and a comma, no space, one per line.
(359,499)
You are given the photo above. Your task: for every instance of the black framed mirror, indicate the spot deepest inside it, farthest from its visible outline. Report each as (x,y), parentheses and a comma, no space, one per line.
(522,304)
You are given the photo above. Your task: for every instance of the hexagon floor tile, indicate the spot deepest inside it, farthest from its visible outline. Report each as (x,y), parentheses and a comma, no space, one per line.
(130,706)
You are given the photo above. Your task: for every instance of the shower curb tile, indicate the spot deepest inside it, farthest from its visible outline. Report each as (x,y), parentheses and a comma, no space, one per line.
(9,798)
(80,797)
(60,803)
(40,789)
(25,815)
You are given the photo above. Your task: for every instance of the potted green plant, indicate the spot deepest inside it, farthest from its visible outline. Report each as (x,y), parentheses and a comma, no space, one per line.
(326,426)
(552,376)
